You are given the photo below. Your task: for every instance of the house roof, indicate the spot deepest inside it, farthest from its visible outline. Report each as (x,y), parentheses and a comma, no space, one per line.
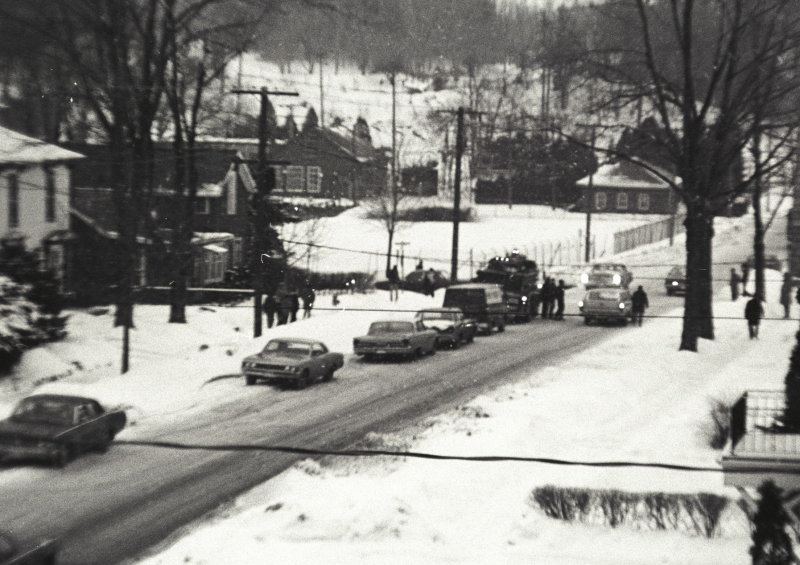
(626,174)
(20,149)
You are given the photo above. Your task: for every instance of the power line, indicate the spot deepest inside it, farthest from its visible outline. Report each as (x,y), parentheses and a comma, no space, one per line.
(416,455)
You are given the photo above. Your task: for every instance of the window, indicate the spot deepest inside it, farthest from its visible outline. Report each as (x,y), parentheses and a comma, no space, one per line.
(13,201)
(280,178)
(294,178)
(622,201)
(49,196)
(313,179)
(600,200)
(643,201)
(202,206)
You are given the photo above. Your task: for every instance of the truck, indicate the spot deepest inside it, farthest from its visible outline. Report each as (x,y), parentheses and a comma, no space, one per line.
(518,276)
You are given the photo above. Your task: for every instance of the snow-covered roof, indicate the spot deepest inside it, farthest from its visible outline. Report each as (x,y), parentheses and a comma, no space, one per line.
(16,148)
(628,175)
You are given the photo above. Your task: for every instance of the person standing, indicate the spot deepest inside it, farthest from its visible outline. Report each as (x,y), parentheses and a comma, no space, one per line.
(786,294)
(640,304)
(753,312)
(745,276)
(294,301)
(734,281)
(559,294)
(308,298)
(284,308)
(548,297)
(270,308)
(394,284)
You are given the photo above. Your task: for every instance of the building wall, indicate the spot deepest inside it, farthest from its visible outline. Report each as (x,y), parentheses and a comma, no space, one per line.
(33,223)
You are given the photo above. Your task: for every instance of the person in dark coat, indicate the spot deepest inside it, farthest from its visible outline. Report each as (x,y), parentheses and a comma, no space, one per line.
(640,304)
(270,307)
(745,276)
(308,298)
(294,305)
(548,298)
(559,293)
(753,312)
(734,282)
(427,283)
(786,294)
(394,283)
(284,308)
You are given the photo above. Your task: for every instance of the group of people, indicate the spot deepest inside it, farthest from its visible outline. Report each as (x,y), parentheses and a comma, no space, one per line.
(283,306)
(754,308)
(736,280)
(551,297)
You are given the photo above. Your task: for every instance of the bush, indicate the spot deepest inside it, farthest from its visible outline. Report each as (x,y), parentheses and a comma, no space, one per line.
(705,511)
(718,429)
(426,214)
(563,503)
(616,506)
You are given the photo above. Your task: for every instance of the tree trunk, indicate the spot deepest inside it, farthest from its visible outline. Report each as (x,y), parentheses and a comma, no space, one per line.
(698,313)
(389,250)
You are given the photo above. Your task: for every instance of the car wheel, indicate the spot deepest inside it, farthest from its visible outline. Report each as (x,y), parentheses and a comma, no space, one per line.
(587,320)
(457,342)
(250,380)
(302,381)
(62,456)
(417,352)
(624,322)
(670,292)
(328,376)
(106,442)
(501,327)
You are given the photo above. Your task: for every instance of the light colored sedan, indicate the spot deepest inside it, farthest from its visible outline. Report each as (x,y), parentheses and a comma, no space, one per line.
(396,337)
(294,361)
(607,305)
(606,275)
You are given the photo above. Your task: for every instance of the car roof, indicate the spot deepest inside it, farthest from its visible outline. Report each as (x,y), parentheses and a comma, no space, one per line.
(67,398)
(298,339)
(447,310)
(473,286)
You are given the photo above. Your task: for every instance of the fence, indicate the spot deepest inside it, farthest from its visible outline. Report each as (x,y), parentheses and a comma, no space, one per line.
(647,233)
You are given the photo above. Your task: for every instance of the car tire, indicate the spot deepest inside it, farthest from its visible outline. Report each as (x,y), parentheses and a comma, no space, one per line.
(328,376)
(62,457)
(106,443)
(587,320)
(250,380)
(303,381)
(457,342)
(501,327)
(670,292)
(417,353)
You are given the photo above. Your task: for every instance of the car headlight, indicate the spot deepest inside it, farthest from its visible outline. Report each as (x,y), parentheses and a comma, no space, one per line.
(580,303)
(616,279)
(584,278)
(524,298)
(674,283)
(539,285)
(622,306)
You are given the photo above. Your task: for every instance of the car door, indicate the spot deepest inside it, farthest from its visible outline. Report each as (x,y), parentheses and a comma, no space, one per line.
(320,360)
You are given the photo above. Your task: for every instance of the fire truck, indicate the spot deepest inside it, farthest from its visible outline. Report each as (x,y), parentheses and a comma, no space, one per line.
(518,276)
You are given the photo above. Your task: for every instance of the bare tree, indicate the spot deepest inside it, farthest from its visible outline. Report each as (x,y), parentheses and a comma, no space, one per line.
(701,66)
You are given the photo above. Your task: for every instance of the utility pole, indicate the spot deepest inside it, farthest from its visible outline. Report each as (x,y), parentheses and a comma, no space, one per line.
(321,97)
(460,112)
(261,214)
(588,197)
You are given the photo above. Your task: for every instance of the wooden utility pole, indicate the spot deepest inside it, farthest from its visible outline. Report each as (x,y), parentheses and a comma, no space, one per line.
(260,211)
(321,97)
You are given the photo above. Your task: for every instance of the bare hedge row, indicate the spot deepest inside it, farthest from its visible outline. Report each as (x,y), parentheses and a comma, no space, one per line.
(695,513)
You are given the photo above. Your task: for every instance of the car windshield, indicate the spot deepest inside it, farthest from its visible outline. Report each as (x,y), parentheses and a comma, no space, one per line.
(608,267)
(603,294)
(450,316)
(43,410)
(391,327)
(288,347)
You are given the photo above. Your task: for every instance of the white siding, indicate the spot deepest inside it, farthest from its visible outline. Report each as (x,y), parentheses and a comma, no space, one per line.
(32,197)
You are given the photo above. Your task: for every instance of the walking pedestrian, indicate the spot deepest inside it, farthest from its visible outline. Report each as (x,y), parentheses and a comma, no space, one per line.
(308,298)
(270,307)
(753,312)
(559,294)
(548,298)
(745,276)
(427,283)
(734,282)
(284,308)
(786,294)
(294,302)
(394,284)
(640,304)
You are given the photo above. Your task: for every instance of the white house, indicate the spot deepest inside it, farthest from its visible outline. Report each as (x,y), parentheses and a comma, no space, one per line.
(35,197)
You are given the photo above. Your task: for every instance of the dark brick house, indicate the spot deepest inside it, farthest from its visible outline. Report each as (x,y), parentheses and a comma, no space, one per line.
(221,219)
(627,188)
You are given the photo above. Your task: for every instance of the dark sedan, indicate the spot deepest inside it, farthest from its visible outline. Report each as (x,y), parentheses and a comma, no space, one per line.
(55,428)
(14,553)
(675,281)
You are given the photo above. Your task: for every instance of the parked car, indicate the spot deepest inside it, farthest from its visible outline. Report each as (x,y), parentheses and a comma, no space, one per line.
(414,281)
(770,262)
(606,305)
(13,552)
(483,302)
(56,428)
(396,337)
(675,281)
(606,275)
(294,361)
(451,324)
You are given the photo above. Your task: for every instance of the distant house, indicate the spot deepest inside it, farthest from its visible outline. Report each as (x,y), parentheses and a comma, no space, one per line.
(221,218)
(628,188)
(420,180)
(35,179)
